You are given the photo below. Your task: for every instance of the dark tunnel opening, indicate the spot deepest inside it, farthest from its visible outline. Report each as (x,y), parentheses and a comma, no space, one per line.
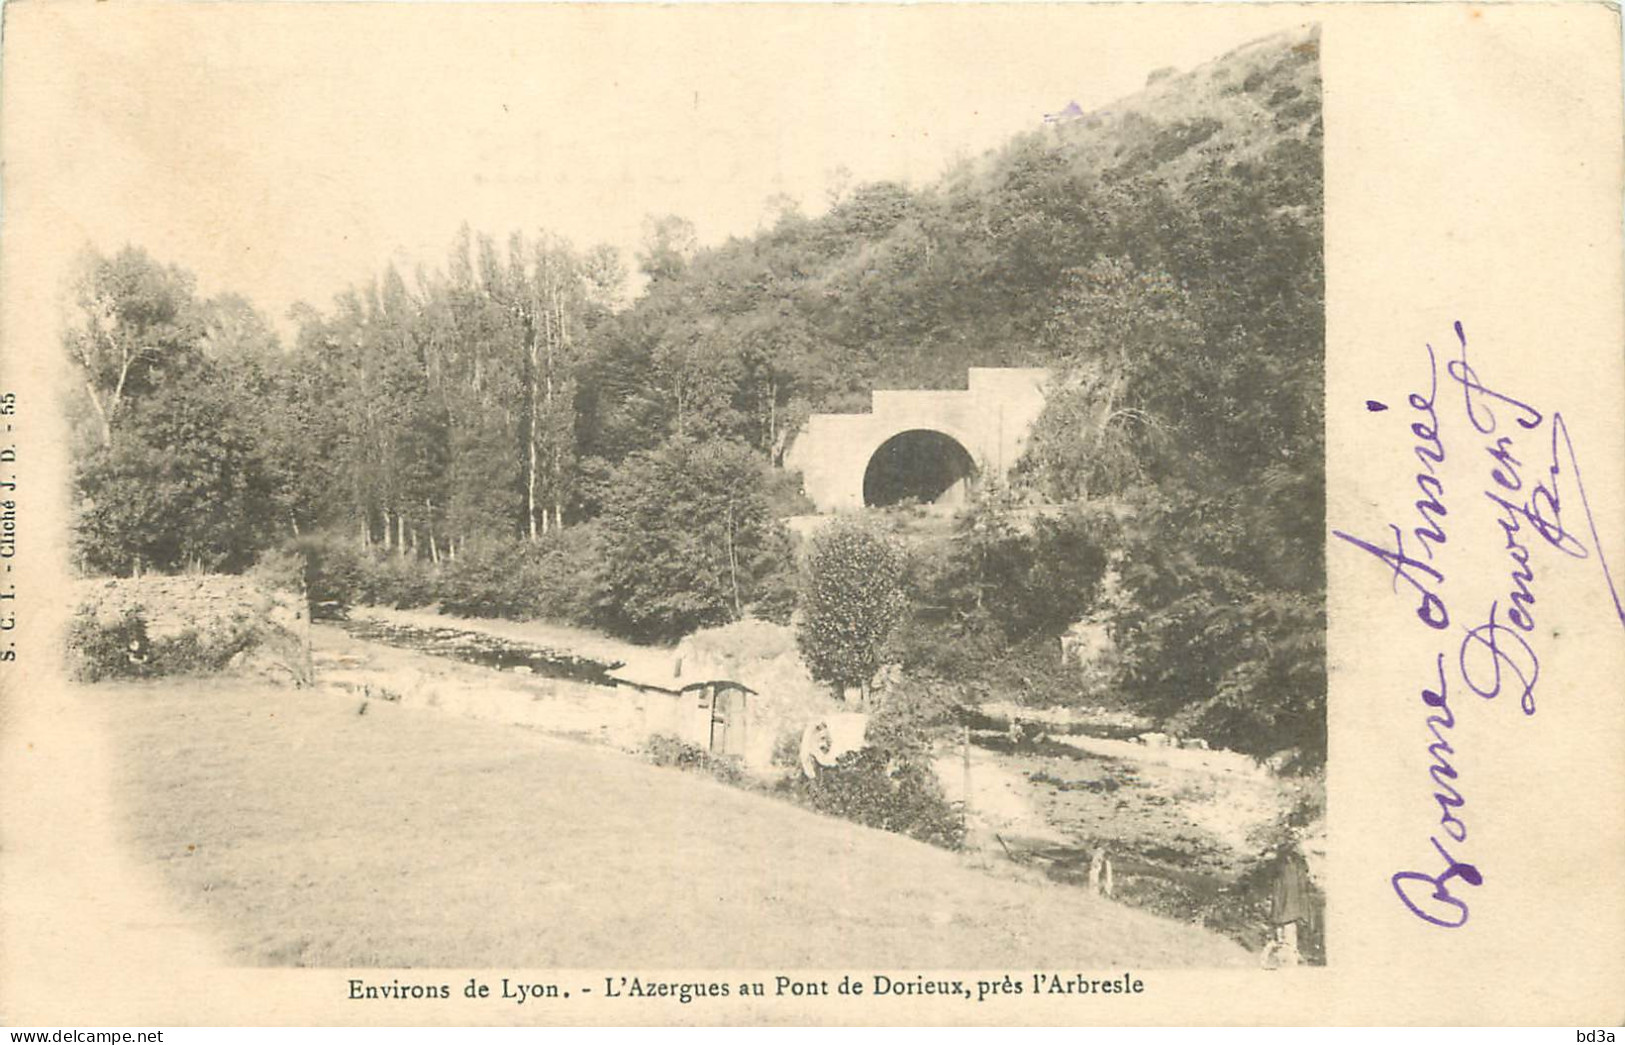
(921,464)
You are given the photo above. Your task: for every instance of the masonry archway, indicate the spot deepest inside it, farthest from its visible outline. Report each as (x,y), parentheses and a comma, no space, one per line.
(929,443)
(922,464)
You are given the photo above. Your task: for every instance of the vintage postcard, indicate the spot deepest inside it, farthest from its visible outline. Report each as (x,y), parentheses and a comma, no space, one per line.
(816,514)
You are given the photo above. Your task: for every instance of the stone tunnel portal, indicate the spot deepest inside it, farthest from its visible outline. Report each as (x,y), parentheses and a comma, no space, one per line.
(927,466)
(935,444)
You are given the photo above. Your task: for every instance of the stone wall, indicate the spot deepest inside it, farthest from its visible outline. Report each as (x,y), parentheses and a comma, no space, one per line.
(215,607)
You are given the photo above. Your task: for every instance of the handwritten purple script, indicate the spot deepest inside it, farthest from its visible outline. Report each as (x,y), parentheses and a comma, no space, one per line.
(1539,498)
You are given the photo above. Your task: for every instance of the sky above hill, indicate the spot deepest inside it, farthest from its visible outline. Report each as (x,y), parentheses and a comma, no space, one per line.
(287,151)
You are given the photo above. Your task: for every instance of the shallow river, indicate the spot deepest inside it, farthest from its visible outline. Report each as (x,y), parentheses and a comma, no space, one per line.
(486,650)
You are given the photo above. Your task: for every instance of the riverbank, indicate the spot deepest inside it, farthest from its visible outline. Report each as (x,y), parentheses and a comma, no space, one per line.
(566,639)
(1187,829)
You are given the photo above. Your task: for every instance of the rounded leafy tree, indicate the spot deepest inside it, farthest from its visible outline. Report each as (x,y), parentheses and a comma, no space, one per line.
(853,597)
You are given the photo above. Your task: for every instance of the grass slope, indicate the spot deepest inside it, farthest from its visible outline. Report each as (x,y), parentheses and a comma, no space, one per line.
(1238,108)
(307,834)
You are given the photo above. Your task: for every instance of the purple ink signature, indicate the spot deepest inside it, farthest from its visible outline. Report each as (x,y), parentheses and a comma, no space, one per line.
(1497,653)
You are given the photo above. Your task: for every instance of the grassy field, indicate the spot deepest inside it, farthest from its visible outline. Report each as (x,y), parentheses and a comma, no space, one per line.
(303,833)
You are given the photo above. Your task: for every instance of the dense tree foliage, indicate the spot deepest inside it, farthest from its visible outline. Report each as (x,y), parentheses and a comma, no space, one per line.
(688,540)
(184,485)
(852,598)
(172,469)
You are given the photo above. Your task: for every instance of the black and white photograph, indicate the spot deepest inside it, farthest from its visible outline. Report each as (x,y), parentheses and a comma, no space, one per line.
(907,536)
(664,490)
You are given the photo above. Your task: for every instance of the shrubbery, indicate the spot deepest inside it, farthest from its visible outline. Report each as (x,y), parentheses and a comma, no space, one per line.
(335,572)
(498,577)
(551,578)
(651,572)
(100,650)
(492,579)
(663,750)
(875,787)
(852,598)
(122,649)
(281,569)
(686,540)
(991,601)
(890,783)
(393,580)
(1222,629)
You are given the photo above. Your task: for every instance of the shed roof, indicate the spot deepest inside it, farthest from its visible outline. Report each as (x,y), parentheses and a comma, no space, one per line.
(664,683)
(730,683)
(643,679)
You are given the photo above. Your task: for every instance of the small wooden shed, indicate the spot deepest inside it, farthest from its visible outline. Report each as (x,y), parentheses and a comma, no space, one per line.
(712,714)
(722,712)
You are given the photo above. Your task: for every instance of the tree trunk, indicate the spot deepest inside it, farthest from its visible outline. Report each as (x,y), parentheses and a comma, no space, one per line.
(530,434)
(550,333)
(733,564)
(101,414)
(772,417)
(532,462)
(530,487)
(113,401)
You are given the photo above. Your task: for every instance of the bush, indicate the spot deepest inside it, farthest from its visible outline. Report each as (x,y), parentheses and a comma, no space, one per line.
(960,652)
(993,601)
(553,578)
(1019,581)
(102,651)
(335,572)
(488,579)
(913,715)
(889,783)
(331,570)
(193,652)
(853,597)
(403,582)
(123,649)
(776,595)
(663,750)
(281,569)
(876,787)
(1032,674)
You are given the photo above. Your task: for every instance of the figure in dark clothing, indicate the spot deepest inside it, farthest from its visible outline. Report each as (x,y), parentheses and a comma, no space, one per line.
(1291,906)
